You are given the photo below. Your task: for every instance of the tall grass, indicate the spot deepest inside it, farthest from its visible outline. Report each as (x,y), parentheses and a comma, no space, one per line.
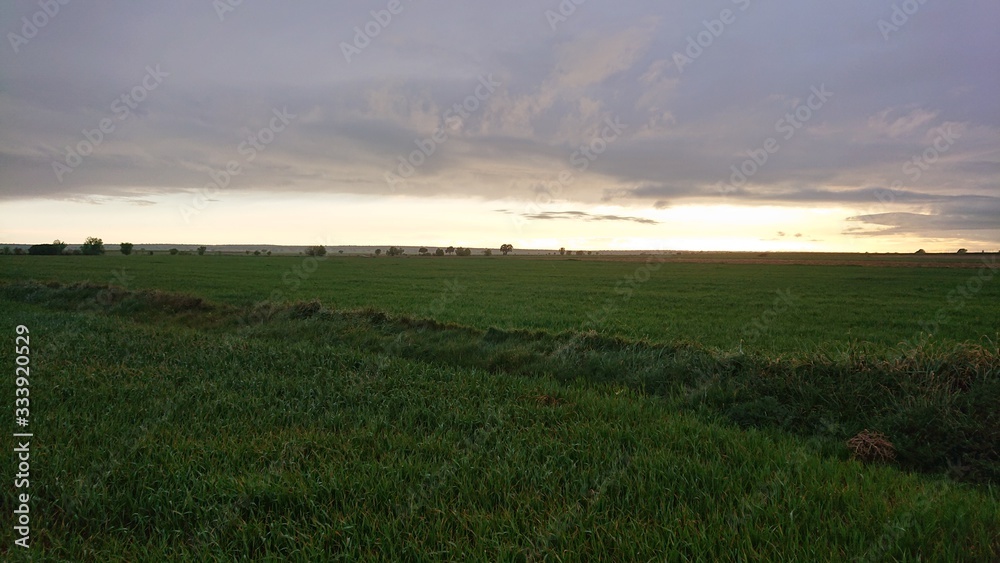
(173,428)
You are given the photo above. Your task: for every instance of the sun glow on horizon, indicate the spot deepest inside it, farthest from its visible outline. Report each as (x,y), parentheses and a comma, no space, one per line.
(261,218)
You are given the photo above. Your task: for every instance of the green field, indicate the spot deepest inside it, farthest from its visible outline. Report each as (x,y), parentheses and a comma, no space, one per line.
(656,299)
(225,407)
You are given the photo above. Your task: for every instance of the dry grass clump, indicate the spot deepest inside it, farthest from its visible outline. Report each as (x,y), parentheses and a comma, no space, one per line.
(871,446)
(548,400)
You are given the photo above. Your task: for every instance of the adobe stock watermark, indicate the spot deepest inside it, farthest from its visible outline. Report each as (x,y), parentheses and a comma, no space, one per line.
(559,526)
(122,107)
(956,300)
(224,7)
(249,148)
(365,34)
(944,138)
(624,290)
(714,28)
(291,280)
(760,325)
(32,25)
(562,13)
(451,291)
(900,16)
(787,126)
(611,130)
(452,118)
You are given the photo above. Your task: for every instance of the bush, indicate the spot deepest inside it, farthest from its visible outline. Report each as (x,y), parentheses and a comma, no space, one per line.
(318,250)
(44,249)
(125,248)
(93,246)
(201,250)
(173,251)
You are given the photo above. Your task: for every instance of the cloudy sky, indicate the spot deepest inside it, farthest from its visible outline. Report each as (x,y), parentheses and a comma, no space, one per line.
(724,124)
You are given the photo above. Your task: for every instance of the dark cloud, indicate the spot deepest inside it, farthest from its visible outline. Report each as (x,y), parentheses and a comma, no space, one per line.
(582,216)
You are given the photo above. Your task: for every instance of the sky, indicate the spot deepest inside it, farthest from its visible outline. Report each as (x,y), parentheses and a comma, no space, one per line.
(857,125)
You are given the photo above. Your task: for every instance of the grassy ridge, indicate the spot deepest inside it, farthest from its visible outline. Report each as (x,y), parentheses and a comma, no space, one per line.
(938,406)
(715,305)
(175,429)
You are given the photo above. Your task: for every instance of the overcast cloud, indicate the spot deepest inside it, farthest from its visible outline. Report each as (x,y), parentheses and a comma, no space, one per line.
(800,104)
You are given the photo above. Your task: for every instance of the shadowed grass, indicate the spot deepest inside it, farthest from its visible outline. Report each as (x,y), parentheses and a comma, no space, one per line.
(288,440)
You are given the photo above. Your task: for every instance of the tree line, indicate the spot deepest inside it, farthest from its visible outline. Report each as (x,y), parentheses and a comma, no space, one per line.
(95,246)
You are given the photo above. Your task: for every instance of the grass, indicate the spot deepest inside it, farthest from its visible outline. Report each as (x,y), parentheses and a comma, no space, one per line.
(206,426)
(725,306)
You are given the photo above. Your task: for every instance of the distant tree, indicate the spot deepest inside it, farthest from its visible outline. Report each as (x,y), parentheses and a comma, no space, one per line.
(450,250)
(60,244)
(589,253)
(6,251)
(562,251)
(396,251)
(268,252)
(256,253)
(201,250)
(378,251)
(579,253)
(505,248)
(962,251)
(18,251)
(439,252)
(318,250)
(463,251)
(173,251)
(92,246)
(338,252)
(921,251)
(488,252)
(248,252)
(126,248)
(423,251)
